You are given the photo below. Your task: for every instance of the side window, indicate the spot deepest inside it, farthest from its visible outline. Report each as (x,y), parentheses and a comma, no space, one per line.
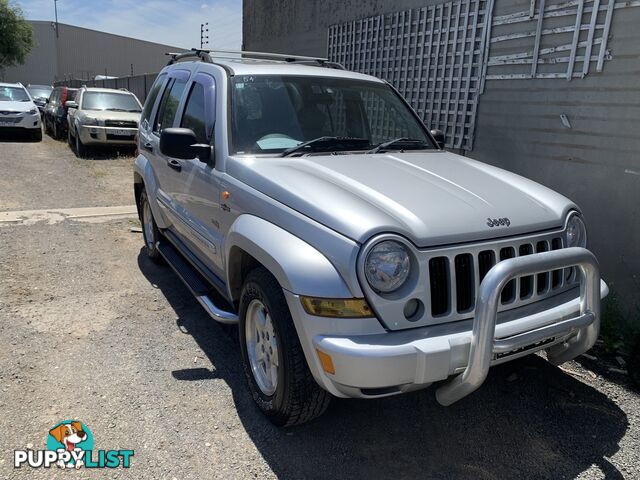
(169,104)
(194,113)
(151,100)
(54,97)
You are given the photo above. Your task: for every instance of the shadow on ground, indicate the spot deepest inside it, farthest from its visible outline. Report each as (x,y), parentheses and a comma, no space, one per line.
(529,420)
(17,137)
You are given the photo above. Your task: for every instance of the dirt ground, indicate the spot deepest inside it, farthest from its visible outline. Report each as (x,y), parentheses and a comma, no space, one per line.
(91,330)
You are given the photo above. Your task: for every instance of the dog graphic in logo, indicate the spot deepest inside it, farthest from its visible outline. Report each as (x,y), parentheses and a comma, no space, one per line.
(70,436)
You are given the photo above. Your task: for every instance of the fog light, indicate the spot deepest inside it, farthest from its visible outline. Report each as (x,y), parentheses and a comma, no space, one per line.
(336,307)
(326,362)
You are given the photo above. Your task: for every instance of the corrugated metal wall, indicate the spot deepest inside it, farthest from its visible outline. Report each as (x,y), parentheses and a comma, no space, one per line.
(595,162)
(83,53)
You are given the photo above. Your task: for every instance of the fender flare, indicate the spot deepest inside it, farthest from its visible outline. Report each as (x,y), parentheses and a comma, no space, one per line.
(298,267)
(143,173)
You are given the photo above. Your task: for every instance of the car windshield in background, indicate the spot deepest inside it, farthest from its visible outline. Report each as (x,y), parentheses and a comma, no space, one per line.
(118,102)
(274,114)
(40,92)
(13,94)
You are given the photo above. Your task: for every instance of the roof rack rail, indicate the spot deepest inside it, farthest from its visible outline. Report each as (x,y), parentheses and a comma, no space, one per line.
(209,55)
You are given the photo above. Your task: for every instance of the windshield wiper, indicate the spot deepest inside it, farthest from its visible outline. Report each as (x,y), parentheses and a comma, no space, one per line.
(348,142)
(400,143)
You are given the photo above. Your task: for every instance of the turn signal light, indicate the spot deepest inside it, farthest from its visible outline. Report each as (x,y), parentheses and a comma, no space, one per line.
(327,363)
(336,307)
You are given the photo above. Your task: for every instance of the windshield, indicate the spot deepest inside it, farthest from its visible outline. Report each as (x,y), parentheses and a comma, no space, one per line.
(13,94)
(120,102)
(273,113)
(40,92)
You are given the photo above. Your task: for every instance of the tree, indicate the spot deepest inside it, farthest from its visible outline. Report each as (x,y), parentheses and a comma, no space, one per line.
(16,35)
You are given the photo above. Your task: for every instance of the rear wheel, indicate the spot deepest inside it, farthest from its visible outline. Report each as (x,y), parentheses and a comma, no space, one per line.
(150,232)
(274,364)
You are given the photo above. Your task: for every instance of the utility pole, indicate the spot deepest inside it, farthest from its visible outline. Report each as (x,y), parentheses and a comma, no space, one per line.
(204,34)
(55,7)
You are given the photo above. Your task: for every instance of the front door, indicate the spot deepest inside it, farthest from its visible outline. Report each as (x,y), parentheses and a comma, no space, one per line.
(197,189)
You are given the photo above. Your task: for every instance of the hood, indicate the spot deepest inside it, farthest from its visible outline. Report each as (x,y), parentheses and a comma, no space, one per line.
(432,198)
(16,106)
(110,115)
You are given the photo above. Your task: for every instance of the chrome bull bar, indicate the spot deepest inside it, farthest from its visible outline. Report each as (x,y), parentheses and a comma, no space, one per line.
(484,345)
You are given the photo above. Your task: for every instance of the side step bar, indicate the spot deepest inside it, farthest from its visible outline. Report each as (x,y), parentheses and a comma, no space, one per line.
(195,282)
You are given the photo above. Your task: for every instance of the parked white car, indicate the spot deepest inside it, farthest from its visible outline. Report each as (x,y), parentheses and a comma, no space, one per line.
(18,113)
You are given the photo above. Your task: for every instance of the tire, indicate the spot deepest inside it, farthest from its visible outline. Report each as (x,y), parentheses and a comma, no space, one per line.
(150,232)
(295,397)
(55,133)
(81,149)
(70,139)
(47,130)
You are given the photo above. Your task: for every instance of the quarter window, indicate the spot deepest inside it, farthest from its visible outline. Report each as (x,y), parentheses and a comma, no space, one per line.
(194,114)
(169,105)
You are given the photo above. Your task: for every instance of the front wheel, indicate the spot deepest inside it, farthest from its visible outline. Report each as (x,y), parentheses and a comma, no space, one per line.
(81,149)
(274,364)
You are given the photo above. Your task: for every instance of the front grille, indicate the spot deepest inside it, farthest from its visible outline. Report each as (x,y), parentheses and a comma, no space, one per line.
(10,119)
(124,138)
(120,123)
(455,276)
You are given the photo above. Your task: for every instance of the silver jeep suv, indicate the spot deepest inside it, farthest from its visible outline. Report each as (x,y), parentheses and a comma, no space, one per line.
(310,206)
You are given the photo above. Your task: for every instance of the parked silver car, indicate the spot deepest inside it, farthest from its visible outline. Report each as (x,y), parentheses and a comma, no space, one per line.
(102,116)
(311,206)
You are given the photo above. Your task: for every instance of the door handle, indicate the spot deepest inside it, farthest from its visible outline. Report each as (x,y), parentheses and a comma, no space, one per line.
(176,165)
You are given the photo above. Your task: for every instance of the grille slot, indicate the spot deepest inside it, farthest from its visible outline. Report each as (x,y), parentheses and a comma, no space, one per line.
(439,279)
(556,275)
(543,278)
(509,291)
(526,283)
(486,260)
(465,291)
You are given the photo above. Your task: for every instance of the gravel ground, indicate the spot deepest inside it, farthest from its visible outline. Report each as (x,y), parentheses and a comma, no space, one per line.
(91,330)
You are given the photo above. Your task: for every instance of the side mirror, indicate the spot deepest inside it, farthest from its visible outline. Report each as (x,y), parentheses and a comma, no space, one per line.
(71,104)
(438,136)
(182,143)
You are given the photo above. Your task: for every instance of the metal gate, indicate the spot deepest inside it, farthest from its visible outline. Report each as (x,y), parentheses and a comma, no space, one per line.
(435,57)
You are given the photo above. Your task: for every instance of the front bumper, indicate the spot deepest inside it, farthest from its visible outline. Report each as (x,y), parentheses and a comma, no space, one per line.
(370,361)
(97,135)
(20,122)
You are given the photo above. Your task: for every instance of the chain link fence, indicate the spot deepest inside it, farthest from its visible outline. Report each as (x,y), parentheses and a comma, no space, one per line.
(137,84)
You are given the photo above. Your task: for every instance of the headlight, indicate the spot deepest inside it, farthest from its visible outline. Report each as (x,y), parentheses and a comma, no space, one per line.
(89,121)
(33,111)
(576,232)
(387,266)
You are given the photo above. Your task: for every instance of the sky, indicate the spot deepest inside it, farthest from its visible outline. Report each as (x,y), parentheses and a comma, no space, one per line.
(171,22)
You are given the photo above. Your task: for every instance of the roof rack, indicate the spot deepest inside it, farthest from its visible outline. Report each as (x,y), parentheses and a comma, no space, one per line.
(209,55)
